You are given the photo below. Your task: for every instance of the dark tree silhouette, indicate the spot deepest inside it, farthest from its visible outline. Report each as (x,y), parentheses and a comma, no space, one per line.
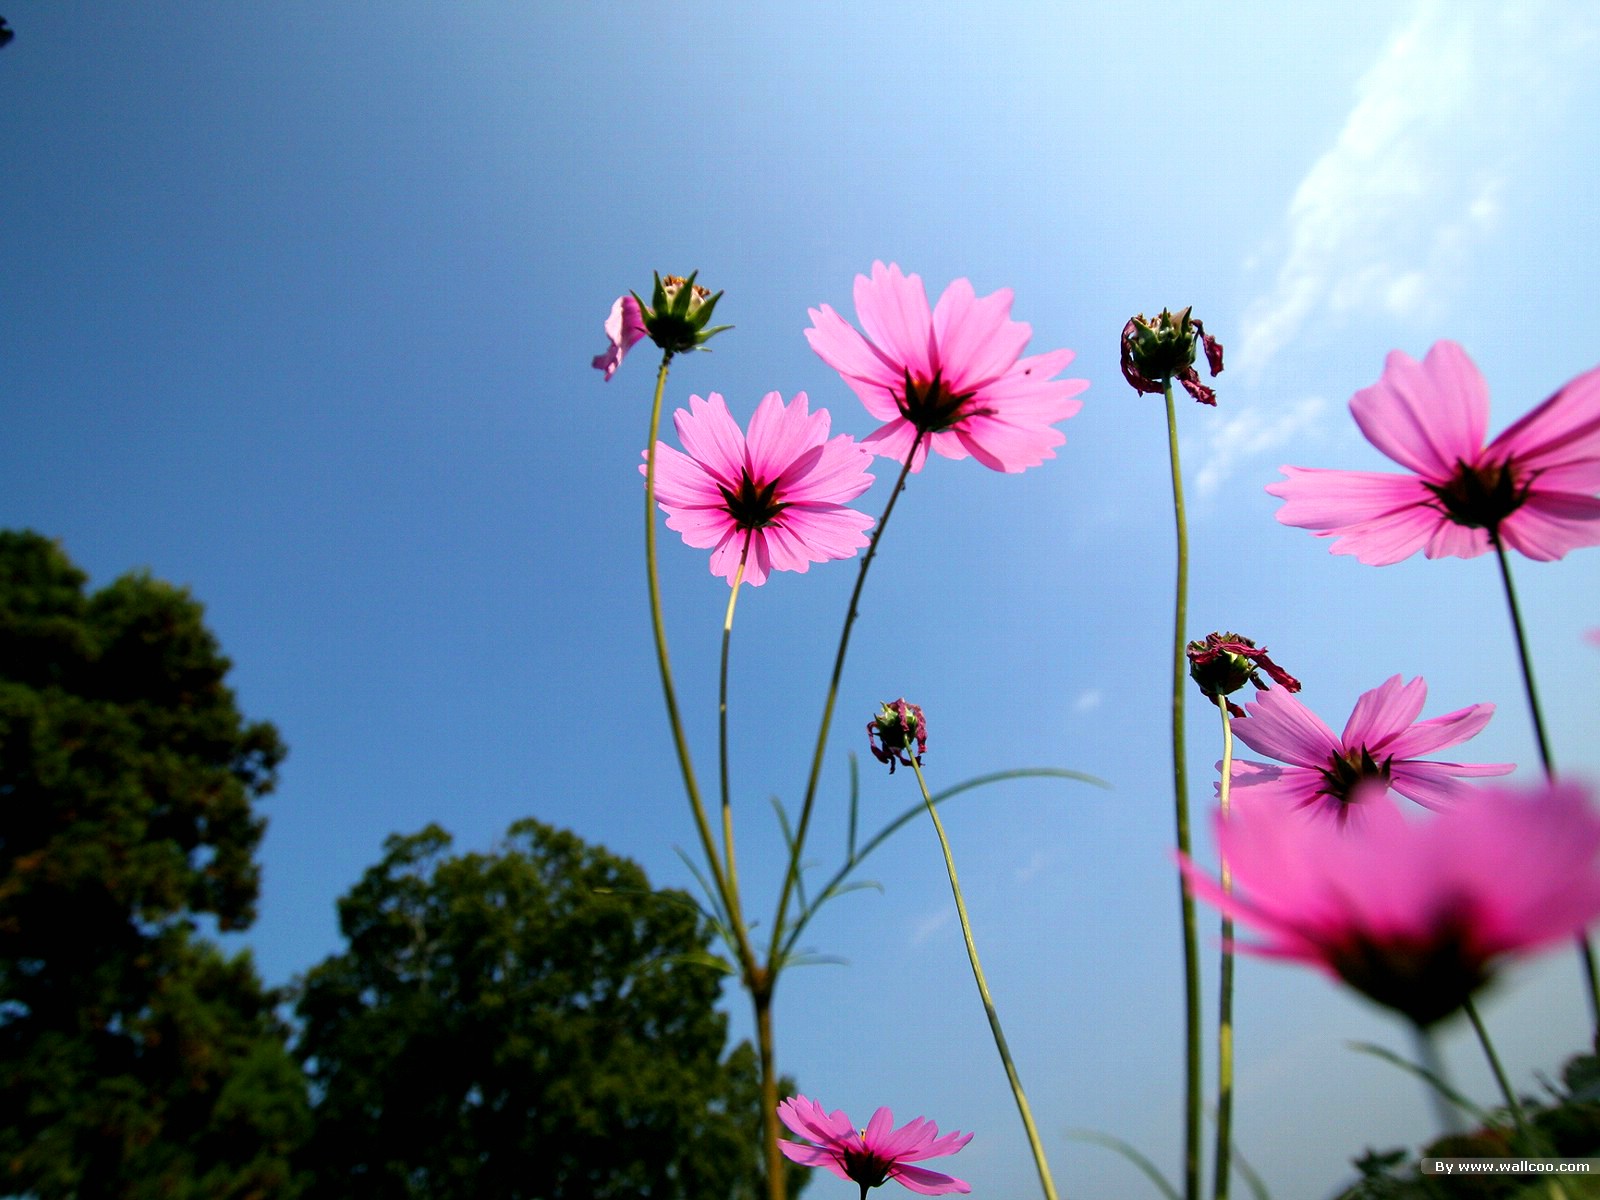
(531,1024)
(135,1060)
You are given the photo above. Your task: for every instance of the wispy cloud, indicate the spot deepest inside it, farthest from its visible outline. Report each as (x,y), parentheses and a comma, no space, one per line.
(931,924)
(1088,701)
(1250,432)
(1415,178)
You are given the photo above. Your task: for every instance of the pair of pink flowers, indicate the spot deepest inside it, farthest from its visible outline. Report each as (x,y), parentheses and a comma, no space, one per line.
(952,378)
(1414,914)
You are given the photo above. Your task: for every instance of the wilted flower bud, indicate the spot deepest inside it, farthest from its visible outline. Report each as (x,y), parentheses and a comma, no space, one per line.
(897,726)
(1157,350)
(1225,662)
(675,320)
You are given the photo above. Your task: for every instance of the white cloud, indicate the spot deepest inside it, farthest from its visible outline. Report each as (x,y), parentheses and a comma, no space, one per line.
(931,924)
(1386,217)
(1087,701)
(1247,433)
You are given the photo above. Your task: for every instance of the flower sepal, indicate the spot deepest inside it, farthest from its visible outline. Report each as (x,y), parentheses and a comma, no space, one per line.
(679,311)
(1225,662)
(892,733)
(1157,350)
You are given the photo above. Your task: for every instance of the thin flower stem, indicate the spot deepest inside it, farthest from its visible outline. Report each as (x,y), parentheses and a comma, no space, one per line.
(1180,796)
(691,785)
(722,722)
(1432,1063)
(1513,1105)
(1224,1160)
(983,992)
(755,978)
(1586,955)
(792,875)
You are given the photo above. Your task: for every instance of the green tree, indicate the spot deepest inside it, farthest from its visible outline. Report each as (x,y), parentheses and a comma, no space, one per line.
(135,1059)
(531,1023)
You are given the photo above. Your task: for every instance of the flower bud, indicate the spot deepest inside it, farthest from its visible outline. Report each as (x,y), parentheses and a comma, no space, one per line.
(1157,350)
(675,320)
(897,726)
(1225,662)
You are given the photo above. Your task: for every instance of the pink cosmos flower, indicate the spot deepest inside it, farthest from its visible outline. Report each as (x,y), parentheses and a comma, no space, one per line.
(1380,744)
(873,1155)
(1533,487)
(952,378)
(1413,914)
(780,491)
(624,327)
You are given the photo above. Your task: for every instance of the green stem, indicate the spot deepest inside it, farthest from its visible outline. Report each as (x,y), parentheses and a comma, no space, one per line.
(1432,1063)
(691,785)
(1180,792)
(983,992)
(1591,972)
(1513,1105)
(1224,1160)
(792,875)
(722,722)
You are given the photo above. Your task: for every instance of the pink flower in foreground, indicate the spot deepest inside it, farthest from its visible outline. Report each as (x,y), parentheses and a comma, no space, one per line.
(1533,487)
(1380,744)
(952,378)
(873,1155)
(781,490)
(1413,914)
(624,327)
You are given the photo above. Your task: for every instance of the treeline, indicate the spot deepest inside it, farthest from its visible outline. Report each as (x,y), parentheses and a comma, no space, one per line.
(534,1022)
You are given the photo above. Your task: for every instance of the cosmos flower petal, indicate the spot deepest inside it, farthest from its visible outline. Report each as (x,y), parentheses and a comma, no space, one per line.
(1384,712)
(1436,733)
(1551,524)
(774,500)
(927,1183)
(877,1152)
(1534,484)
(623,328)
(977,339)
(1437,785)
(1427,416)
(1562,429)
(1415,914)
(1281,727)
(950,379)
(893,310)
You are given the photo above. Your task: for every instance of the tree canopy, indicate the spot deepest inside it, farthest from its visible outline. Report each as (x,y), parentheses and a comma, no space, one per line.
(135,1059)
(528,1023)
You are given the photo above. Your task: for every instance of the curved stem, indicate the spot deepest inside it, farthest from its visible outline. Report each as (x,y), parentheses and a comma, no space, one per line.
(1591,972)
(1513,1105)
(983,992)
(1224,1159)
(1180,797)
(722,721)
(691,785)
(793,873)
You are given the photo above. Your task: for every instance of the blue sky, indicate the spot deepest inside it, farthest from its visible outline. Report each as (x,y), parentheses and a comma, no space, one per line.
(297,310)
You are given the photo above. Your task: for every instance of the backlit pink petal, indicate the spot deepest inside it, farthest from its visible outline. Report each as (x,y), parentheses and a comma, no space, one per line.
(927,1183)
(893,310)
(1562,429)
(774,500)
(874,1153)
(1533,487)
(1378,749)
(1415,914)
(1437,785)
(624,327)
(951,379)
(1384,712)
(1427,416)
(1282,727)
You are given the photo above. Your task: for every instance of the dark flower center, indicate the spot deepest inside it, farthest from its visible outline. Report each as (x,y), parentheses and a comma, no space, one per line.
(752,506)
(1480,497)
(932,407)
(1426,980)
(866,1168)
(1345,771)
